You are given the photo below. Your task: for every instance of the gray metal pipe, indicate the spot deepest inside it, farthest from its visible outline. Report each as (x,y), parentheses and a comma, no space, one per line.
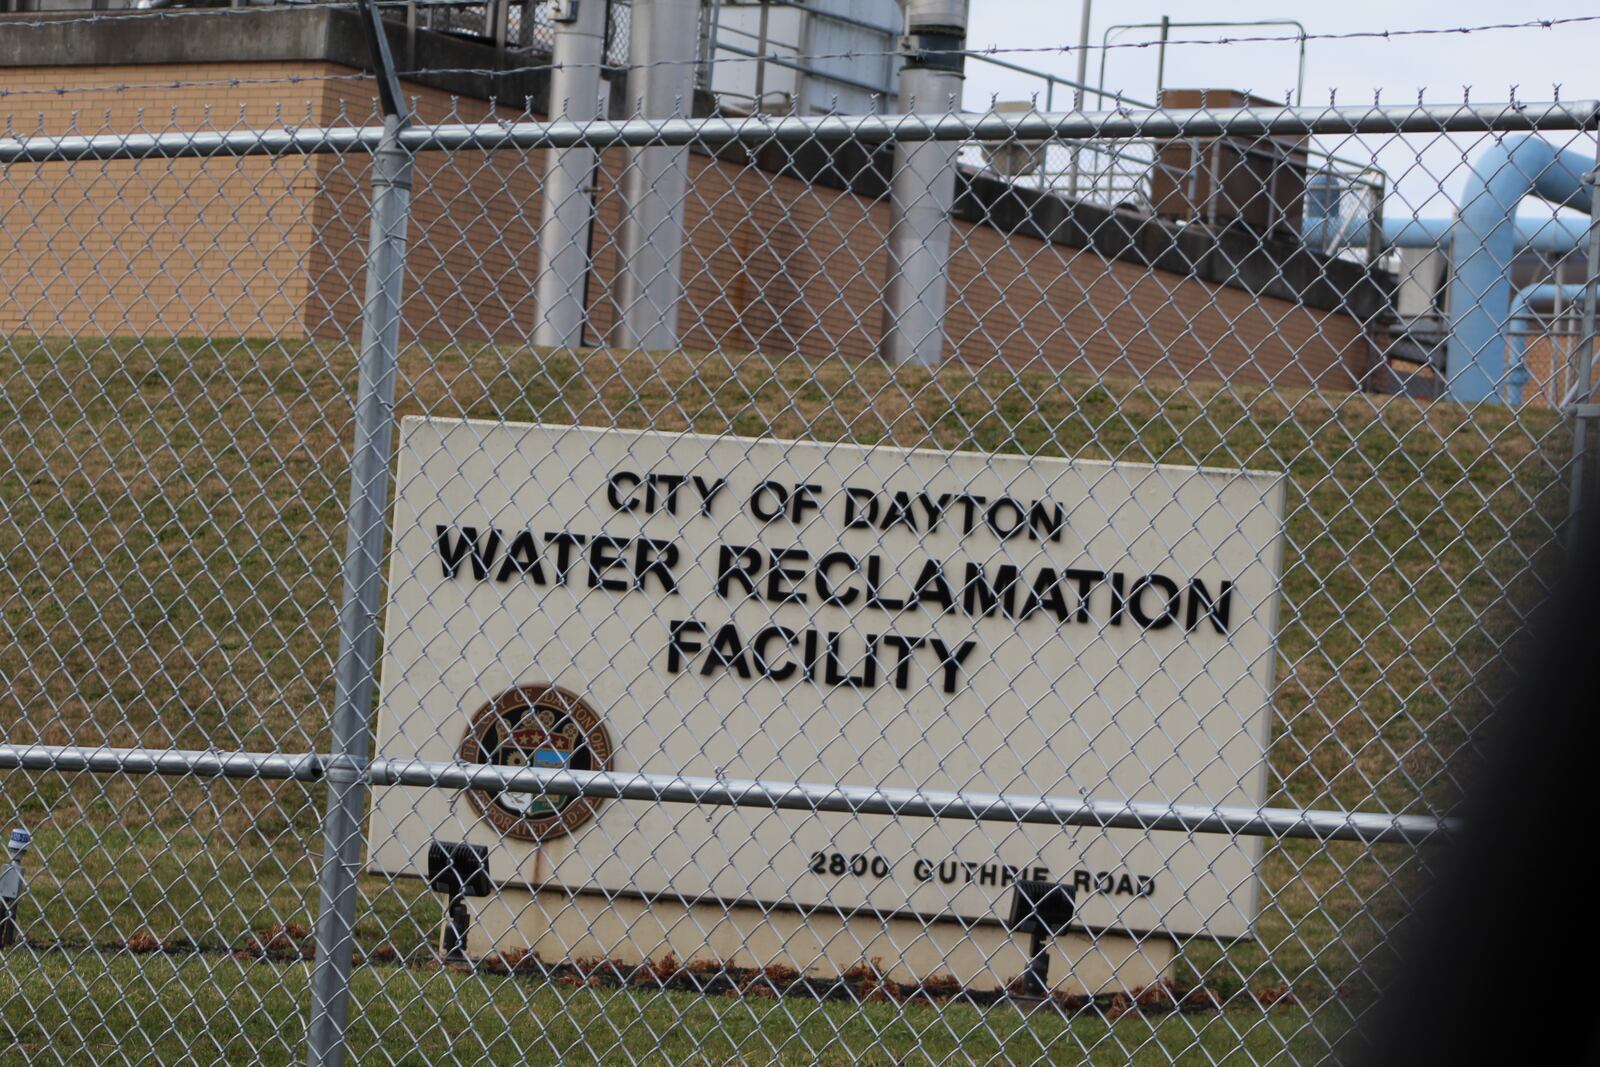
(872,800)
(758,793)
(823,129)
(563,250)
(662,51)
(922,189)
(172,762)
(355,670)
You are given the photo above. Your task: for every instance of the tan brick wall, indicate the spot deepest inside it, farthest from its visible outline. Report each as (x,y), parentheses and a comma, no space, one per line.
(1019,299)
(474,219)
(801,268)
(275,247)
(1552,364)
(167,246)
(796,268)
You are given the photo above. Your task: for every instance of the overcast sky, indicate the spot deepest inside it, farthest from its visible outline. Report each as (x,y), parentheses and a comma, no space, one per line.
(1533,60)
(1490,61)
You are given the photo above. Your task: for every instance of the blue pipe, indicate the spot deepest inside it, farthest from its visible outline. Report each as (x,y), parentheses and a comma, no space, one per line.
(1483,244)
(1544,235)
(1521,327)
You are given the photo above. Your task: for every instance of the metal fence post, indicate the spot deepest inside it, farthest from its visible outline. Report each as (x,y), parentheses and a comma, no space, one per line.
(355,671)
(1584,409)
(358,616)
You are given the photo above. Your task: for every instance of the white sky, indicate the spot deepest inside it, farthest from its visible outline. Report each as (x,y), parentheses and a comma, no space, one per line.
(1491,62)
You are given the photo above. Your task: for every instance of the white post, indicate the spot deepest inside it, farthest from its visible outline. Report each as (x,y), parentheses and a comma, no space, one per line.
(662,52)
(922,189)
(1080,100)
(580,38)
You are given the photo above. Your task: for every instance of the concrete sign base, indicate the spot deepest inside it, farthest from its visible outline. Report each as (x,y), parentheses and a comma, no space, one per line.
(559,928)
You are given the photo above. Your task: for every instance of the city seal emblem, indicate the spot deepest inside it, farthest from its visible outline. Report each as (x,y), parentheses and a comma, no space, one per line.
(540,726)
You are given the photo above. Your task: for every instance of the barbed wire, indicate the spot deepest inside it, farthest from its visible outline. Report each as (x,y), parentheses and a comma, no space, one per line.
(200,83)
(1513,99)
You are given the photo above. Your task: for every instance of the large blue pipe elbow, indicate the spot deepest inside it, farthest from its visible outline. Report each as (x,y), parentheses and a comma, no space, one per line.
(1483,244)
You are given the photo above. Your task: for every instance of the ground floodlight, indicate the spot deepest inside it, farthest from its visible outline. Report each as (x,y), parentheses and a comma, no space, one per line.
(1043,910)
(457,870)
(11,885)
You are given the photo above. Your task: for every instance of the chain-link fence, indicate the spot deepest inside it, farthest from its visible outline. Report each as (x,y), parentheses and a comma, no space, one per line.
(755,680)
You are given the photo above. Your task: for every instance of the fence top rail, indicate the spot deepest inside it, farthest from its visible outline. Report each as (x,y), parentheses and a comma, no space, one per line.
(1122,123)
(1370,827)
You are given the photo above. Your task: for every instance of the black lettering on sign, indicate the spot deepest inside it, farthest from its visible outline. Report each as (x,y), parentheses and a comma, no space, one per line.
(769,501)
(980,597)
(737,563)
(1215,610)
(681,643)
(1167,605)
(605,556)
(466,542)
(854,865)
(522,558)
(565,543)
(658,558)
(708,491)
(860,508)
(830,593)
(619,490)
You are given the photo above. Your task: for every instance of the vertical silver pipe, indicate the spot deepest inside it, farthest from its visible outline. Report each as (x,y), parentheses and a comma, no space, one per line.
(1583,387)
(1161,57)
(759,104)
(923,187)
(569,179)
(661,82)
(1083,50)
(1078,101)
(358,614)
(711,13)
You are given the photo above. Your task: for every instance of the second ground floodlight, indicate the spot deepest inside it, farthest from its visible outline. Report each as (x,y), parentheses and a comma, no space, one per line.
(456,871)
(1043,910)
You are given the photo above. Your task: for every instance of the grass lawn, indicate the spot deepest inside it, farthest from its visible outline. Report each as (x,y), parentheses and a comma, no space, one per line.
(158,1008)
(171,535)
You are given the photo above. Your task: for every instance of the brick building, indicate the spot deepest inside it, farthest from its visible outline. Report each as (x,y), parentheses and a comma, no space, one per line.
(786,251)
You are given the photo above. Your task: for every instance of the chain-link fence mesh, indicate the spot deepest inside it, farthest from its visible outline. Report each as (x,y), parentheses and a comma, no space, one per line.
(1187,519)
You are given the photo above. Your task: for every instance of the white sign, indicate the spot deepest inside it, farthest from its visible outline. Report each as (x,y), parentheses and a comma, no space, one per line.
(829,613)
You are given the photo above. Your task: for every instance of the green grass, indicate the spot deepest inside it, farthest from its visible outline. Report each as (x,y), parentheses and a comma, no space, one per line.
(161,1009)
(171,541)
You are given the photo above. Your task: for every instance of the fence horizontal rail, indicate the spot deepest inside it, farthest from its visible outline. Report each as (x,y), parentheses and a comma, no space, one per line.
(711,132)
(1368,827)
